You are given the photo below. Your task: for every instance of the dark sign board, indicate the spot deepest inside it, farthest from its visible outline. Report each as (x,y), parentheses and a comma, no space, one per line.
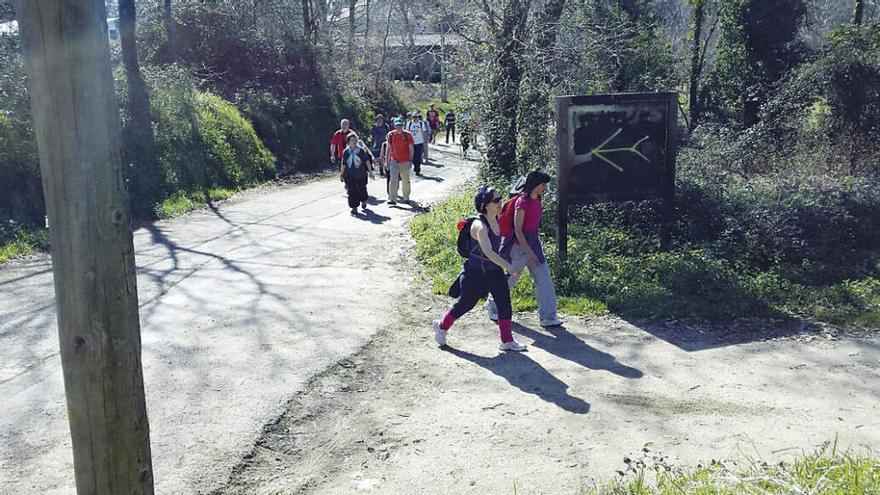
(615,147)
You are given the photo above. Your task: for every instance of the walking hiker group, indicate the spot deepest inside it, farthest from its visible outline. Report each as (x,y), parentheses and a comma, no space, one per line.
(502,238)
(398,148)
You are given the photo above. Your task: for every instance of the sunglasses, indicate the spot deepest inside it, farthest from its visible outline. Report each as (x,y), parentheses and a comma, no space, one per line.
(496,199)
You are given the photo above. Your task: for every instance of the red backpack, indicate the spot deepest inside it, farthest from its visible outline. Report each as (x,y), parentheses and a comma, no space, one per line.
(505,218)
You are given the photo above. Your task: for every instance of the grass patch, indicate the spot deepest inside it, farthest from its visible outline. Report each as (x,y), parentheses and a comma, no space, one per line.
(826,472)
(182,202)
(619,268)
(19,241)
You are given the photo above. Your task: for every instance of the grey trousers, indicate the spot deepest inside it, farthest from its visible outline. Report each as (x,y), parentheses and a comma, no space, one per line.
(545,293)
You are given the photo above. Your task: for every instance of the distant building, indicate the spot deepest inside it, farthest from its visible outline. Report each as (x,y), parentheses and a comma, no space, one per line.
(414,44)
(11,28)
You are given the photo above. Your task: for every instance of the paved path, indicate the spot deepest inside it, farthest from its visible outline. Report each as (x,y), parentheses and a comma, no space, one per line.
(240,307)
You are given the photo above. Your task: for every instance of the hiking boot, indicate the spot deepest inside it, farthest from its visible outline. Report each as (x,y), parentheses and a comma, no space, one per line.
(354,211)
(555,322)
(439,334)
(392,202)
(364,205)
(512,346)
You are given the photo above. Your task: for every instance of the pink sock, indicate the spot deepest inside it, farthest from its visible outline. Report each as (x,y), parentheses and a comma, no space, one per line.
(506,327)
(447,321)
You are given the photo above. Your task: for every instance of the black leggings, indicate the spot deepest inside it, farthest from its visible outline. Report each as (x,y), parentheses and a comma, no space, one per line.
(476,285)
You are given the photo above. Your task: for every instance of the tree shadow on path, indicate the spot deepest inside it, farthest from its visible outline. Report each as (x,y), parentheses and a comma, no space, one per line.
(568,346)
(525,374)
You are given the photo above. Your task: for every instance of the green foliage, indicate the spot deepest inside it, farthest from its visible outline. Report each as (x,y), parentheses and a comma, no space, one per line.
(182,202)
(202,141)
(18,241)
(278,80)
(21,194)
(825,472)
(756,47)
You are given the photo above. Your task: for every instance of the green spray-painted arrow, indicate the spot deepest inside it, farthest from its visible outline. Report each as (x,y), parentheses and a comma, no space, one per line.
(600,150)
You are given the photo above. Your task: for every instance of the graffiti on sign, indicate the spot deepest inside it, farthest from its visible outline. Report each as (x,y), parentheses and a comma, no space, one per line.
(616,151)
(615,147)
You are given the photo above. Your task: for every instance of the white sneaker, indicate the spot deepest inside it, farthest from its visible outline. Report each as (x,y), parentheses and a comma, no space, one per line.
(493,315)
(512,346)
(439,334)
(555,322)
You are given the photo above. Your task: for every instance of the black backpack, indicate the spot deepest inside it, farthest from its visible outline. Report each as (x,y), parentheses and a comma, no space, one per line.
(463,244)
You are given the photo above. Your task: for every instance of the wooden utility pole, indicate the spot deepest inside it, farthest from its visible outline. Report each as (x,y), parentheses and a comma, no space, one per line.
(77,128)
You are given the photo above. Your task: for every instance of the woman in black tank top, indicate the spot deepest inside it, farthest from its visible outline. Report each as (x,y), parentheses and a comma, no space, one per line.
(483,273)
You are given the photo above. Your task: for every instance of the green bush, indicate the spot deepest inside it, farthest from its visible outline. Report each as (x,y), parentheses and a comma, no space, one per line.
(21,194)
(298,129)
(18,241)
(202,141)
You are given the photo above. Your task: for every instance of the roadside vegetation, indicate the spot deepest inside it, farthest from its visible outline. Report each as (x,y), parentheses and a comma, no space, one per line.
(825,472)
(730,258)
(778,169)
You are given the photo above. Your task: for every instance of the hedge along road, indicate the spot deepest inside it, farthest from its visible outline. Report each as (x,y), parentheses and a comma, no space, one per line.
(240,306)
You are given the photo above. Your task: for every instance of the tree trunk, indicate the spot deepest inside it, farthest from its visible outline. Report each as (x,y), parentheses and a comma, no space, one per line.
(381,68)
(307,21)
(350,47)
(138,146)
(501,121)
(170,45)
(77,128)
(858,12)
(366,28)
(535,113)
(699,13)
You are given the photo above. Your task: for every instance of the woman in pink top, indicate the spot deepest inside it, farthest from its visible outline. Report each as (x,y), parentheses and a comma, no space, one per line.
(524,248)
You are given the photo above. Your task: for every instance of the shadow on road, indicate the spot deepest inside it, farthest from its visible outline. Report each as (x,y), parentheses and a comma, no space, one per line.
(431,177)
(566,345)
(372,217)
(694,336)
(525,374)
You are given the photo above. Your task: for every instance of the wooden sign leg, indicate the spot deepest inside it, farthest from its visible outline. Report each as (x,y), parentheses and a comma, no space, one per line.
(562,230)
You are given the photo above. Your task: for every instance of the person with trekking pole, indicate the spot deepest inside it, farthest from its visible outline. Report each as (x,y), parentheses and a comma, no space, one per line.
(483,271)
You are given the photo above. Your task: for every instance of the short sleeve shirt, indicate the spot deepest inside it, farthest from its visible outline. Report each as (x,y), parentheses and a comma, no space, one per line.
(398,146)
(534,212)
(339,140)
(433,117)
(417,129)
(379,132)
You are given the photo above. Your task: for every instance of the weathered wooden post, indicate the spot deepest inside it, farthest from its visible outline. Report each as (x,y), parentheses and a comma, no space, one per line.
(77,127)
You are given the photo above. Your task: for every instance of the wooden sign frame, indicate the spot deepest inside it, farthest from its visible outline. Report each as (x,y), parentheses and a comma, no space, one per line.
(664,190)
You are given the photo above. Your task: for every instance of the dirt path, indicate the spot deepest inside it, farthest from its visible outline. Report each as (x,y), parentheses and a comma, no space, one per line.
(403,417)
(241,306)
